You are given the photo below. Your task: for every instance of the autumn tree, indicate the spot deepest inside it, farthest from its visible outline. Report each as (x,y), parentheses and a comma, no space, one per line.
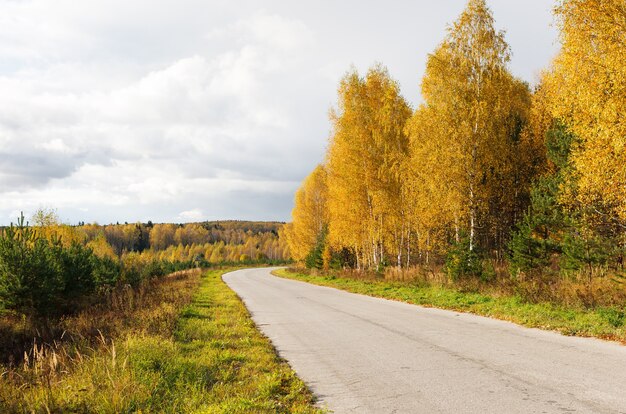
(467,137)
(45,217)
(162,236)
(365,157)
(191,233)
(587,83)
(47,223)
(310,215)
(577,209)
(101,248)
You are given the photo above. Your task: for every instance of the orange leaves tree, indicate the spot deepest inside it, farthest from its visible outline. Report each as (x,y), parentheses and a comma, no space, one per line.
(310,215)
(367,210)
(587,86)
(466,137)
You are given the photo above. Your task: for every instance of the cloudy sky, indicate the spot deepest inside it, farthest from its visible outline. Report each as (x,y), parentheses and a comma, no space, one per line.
(185,110)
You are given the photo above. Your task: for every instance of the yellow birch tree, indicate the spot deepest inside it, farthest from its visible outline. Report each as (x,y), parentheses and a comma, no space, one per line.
(466,137)
(588,94)
(309,215)
(367,212)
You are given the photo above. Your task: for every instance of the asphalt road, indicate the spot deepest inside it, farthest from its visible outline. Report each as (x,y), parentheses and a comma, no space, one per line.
(365,355)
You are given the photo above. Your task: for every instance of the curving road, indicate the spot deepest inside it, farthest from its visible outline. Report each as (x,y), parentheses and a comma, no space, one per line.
(366,355)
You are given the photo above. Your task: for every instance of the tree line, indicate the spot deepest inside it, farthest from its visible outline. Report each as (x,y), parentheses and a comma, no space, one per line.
(49,269)
(485,169)
(212,241)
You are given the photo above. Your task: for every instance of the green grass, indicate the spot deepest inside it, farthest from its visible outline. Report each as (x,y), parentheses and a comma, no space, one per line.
(606,323)
(208,358)
(217,339)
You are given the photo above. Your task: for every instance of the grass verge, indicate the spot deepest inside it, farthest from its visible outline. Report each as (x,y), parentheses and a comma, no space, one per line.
(217,336)
(605,323)
(192,348)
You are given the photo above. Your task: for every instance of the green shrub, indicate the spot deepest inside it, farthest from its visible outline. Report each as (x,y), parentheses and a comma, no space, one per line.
(583,250)
(315,258)
(106,271)
(461,261)
(153,269)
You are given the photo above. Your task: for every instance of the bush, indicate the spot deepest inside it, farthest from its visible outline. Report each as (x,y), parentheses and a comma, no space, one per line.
(132,267)
(153,269)
(106,271)
(462,262)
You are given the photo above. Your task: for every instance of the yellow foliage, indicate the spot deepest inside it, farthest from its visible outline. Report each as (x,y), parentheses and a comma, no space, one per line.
(365,156)
(587,84)
(162,235)
(310,215)
(65,233)
(102,248)
(466,138)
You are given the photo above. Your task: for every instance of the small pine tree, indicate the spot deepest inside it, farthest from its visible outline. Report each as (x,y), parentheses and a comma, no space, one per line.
(41,278)
(533,243)
(583,250)
(461,261)
(315,258)
(526,251)
(538,235)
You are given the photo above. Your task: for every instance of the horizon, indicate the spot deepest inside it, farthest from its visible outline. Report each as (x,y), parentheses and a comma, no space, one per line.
(29,220)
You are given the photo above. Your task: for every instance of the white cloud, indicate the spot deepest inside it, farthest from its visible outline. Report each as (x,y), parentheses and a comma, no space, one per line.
(271,30)
(191,215)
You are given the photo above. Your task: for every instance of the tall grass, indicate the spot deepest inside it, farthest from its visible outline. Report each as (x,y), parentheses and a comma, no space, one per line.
(572,289)
(85,366)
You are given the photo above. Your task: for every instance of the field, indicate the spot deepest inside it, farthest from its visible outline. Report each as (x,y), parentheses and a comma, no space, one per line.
(184,344)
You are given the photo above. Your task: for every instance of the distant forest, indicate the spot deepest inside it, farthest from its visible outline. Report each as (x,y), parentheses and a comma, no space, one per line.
(213,241)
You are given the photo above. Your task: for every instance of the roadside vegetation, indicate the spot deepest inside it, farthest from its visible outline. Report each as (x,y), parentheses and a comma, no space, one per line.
(182,343)
(89,323)
(491,192)
(88,362)
(510,302)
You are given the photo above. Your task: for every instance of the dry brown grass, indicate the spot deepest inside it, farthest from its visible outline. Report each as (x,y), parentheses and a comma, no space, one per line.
(575,291)
(152,308)
(604,288)
(83,349)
